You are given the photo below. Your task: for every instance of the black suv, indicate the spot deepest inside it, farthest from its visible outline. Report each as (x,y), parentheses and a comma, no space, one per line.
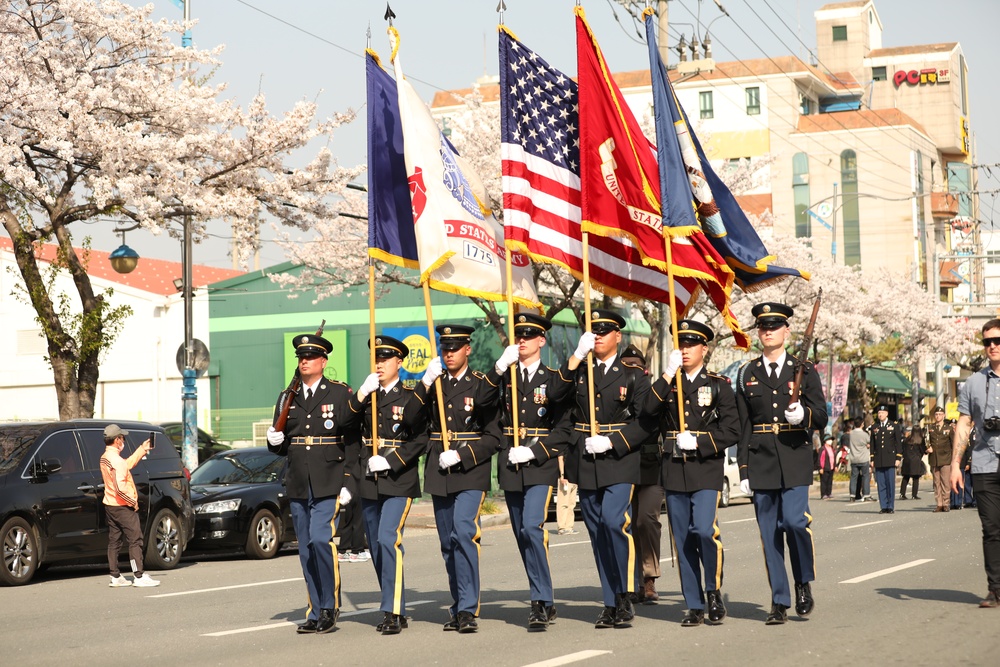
(52,492)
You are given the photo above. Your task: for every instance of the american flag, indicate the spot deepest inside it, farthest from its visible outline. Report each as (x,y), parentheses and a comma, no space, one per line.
(540,148)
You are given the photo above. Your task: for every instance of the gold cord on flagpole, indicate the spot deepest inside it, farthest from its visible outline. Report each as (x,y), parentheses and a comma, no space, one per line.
(668,246)
(437,382)
(586,319)
(511,341)
(371,354)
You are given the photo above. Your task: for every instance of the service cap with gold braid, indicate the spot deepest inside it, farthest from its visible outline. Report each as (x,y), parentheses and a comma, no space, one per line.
(311,345)
(693,331)
(454,336)
(529,325)
(387,347)
(771,315)
(605,321)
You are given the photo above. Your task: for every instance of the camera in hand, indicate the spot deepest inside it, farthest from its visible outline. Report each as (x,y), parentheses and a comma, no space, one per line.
(991,424)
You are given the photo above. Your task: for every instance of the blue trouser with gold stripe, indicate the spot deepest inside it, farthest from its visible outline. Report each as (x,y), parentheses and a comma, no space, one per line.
(606,515)
(315,526)
(459,531)
(384,519)
(694,522)
(783,514)
(527,512)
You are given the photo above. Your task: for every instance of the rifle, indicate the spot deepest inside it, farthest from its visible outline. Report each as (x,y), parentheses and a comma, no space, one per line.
(288,395)
(803,355)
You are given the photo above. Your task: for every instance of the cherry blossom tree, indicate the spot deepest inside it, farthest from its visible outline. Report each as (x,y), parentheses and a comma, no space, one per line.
(103,114)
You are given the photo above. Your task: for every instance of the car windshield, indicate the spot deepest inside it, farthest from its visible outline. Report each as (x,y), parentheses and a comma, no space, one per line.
(238,468)
(15,441)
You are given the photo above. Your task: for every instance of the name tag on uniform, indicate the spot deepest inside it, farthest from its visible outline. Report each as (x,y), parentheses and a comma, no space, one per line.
(704,396)
(751,383)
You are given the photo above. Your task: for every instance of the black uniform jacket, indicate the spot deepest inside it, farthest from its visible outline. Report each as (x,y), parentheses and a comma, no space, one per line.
(402,439)
(887,444)
(329,461)
(541,404)
(618,400)
(710,413)
(772,453)
(470,408)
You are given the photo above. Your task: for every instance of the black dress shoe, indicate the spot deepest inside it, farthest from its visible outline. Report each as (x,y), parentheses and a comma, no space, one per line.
(467,622)
(803,599)
(778,615)
(692,618)
(914,497)
(327,621)
(307,628)
(716,608)
(393,624)
(551,613)
(452,624)
(606,619)
(624,612)
(902,496)
(538,619)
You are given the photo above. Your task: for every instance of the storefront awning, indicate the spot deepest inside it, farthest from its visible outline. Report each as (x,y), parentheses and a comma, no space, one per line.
(888,381)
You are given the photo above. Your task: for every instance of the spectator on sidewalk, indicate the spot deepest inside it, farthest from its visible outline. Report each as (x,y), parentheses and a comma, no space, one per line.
(939,435)
(859,455)
(914,448)
(826,466)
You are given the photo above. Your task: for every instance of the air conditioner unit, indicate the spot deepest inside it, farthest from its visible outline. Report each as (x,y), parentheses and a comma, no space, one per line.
(260,433)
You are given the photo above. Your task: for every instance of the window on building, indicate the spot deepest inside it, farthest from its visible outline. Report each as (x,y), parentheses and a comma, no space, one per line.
(753,101)
(918,167)
(840,33)
(960,183)
(800,192)
(705,104)
(878,74)
(993,256)
(849,207)
(807,106)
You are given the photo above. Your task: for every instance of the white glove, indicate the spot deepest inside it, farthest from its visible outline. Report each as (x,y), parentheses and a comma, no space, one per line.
(687,441)
(598,444)
(508,357)
(448,459)
(274,438)
(674,361)
(795,414)
(520,454)
(368,386)
(378,464)
(433,372)
(585,346)
(344,497)
(745,486)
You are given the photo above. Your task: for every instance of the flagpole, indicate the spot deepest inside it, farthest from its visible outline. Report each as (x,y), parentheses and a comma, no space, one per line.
(371,354)
(515,421)
(586,318)
(437,382)
(668,246)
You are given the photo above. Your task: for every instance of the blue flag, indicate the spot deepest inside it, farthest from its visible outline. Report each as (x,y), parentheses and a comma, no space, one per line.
(390,215)
(694,196)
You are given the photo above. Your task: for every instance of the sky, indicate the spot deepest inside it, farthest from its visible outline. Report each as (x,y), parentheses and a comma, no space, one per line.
(313,50)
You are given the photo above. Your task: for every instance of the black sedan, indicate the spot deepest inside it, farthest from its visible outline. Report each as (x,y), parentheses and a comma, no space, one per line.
(239,503)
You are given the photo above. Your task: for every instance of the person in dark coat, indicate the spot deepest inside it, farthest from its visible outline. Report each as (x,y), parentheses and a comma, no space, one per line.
(886,457)
(914,448)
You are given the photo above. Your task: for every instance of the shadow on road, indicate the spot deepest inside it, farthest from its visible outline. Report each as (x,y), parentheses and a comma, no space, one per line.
(937,595)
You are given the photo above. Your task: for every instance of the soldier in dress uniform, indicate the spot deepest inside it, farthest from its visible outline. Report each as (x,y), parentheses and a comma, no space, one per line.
(459,477)
(606,466)
(320,441)
(776,457)
(528,473)
(692,469)
(886,456)
(939,437)
(392,478)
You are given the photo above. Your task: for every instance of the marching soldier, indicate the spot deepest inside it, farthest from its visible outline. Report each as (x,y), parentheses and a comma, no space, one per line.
(939,437)
(606,466)
(886,456)
(776,460)
(392,478)
(459,477)
(528,472)
(692,468)
(320,441)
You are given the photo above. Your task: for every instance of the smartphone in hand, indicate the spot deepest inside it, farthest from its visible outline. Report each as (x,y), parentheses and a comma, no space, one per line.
(150,441)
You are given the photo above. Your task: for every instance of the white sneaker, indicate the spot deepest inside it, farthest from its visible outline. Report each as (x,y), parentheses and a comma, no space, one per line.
(343,557)
(145,581)
(365,555)
(119,582)
(354,558)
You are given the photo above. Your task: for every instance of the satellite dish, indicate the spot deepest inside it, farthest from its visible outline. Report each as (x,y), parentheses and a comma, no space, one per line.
(200,357)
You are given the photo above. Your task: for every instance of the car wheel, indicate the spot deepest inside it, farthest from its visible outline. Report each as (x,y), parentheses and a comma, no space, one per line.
(163,549)
(20,552)
(265,535)
(724,496)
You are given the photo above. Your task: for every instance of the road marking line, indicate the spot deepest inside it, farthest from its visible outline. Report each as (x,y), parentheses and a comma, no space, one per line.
(225,588)
(567,544)
(862,525)
(890,570)
(739,520)
(569,658)
(285,624)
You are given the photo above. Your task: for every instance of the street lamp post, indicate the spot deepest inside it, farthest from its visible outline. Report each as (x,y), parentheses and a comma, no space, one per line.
(189,390)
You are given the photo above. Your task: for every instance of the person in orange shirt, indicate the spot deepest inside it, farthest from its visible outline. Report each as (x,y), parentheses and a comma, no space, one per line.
(121,502)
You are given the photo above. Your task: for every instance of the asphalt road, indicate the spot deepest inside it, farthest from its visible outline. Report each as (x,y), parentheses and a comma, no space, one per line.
(899,589)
